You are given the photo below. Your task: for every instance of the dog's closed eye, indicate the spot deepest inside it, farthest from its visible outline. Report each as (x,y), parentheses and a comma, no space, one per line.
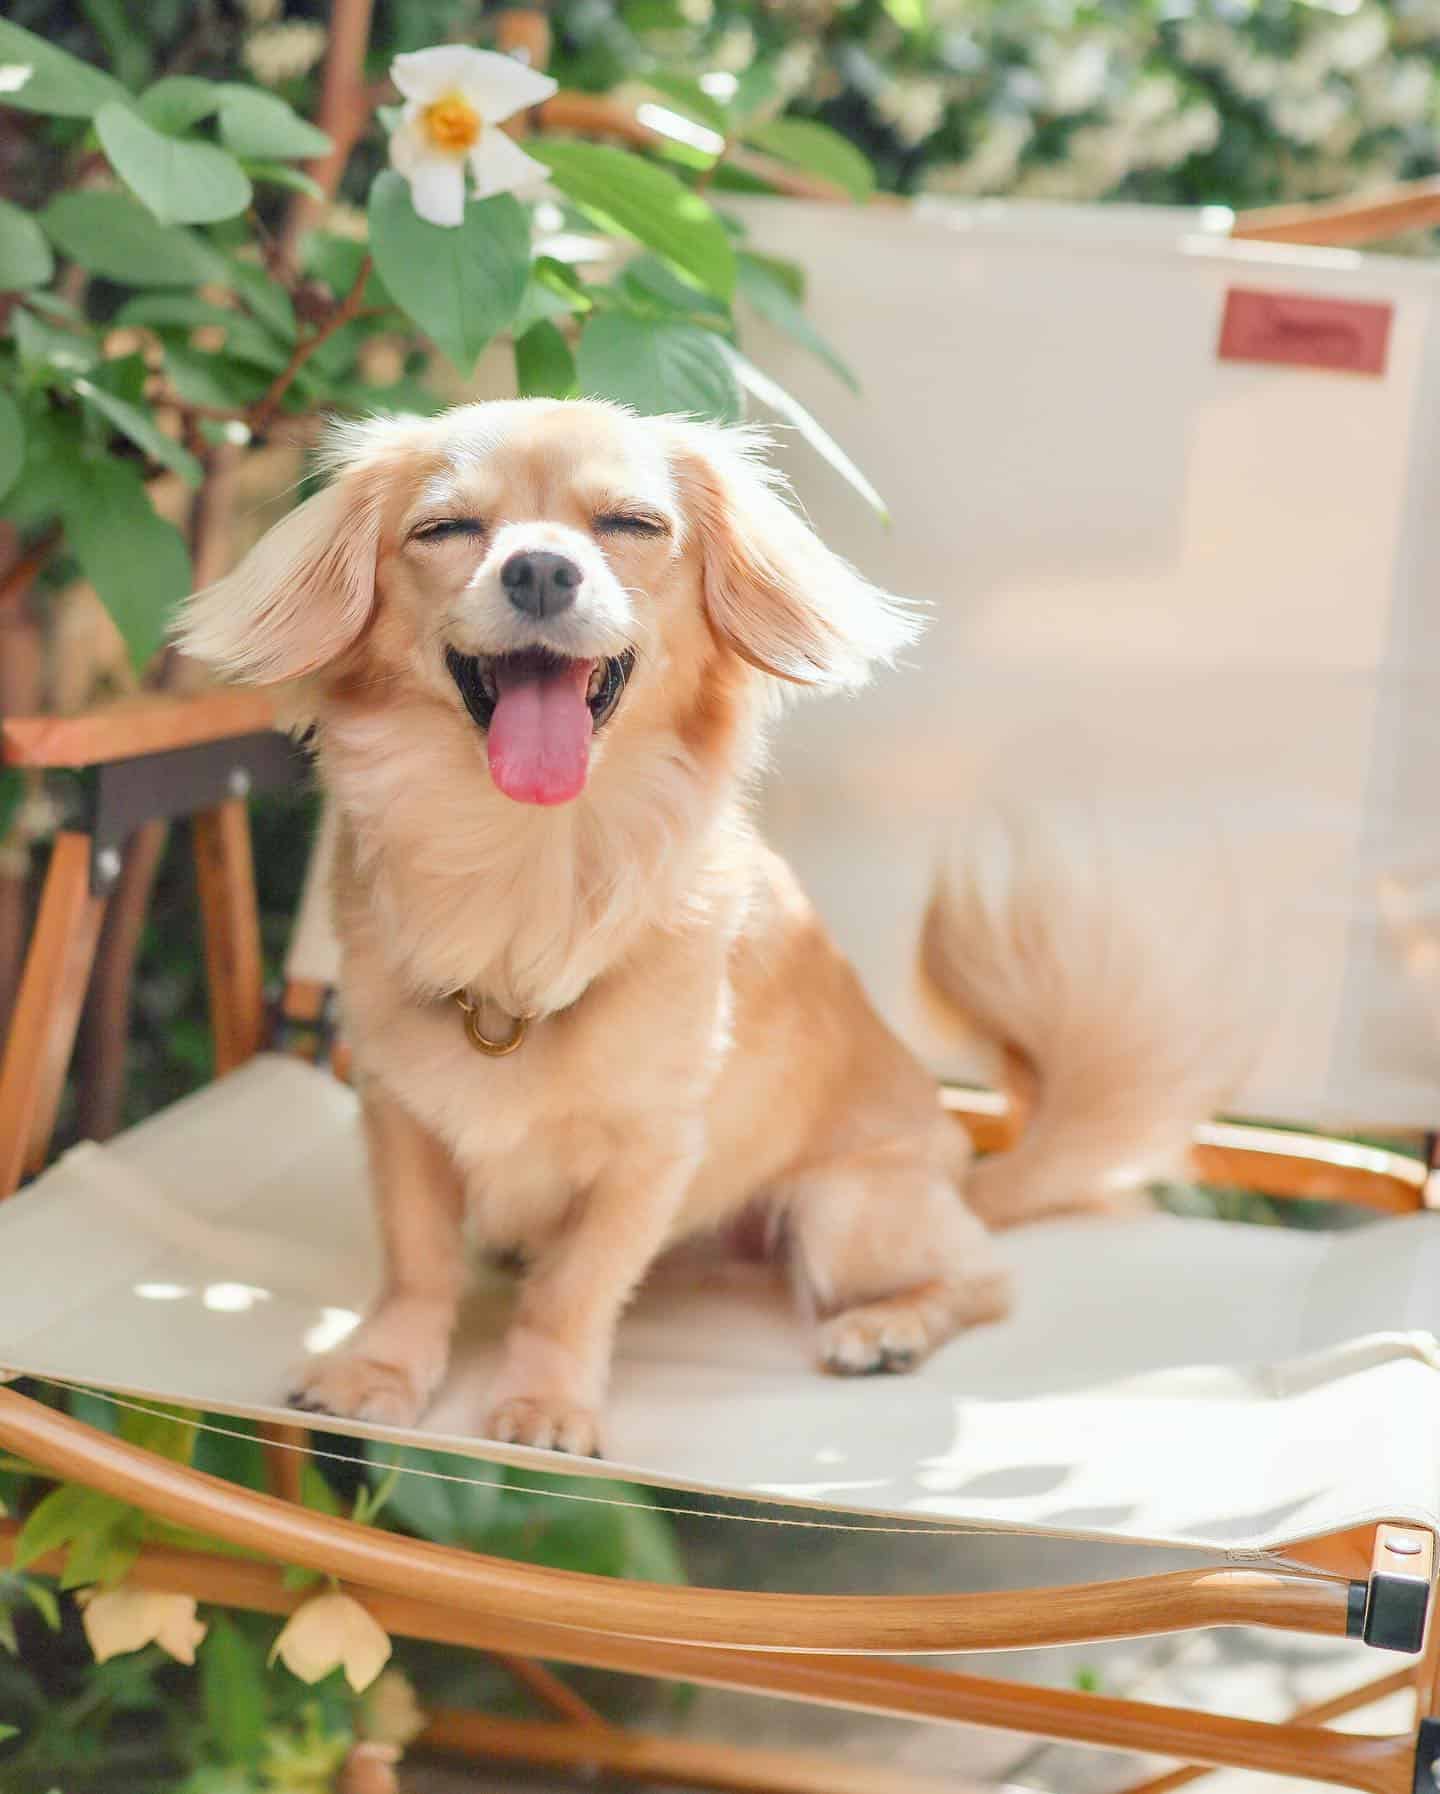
(631,523)
(442,529)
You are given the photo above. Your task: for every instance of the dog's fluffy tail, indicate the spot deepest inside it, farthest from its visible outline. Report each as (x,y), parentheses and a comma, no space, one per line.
(1106,960)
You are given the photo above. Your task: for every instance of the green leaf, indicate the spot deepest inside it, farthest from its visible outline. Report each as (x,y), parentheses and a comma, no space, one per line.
(142,430)
(66,1513)
(8,1731)
(772,296)
(113,235)
(649,284)
(817,148)
(690,98)
(636,199)
(544,366)
(461,286)
(234,1690)
(909,15)
(178,102)
(124,50)
(56,82)
(785,405)
(315,1492)
(44,345)
(450,1513)
(169,1432)
(53,444)
(136,561)
(657,367)
(10,1643)
(264,297)
(102,1554)
(281,174)
(201,378)
(555,291)
(259,124)
(244,338)
(25,258)
(42,1598)
(181,182)
(12,442)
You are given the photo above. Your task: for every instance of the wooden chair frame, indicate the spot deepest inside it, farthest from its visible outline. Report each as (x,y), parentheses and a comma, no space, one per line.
(199,756)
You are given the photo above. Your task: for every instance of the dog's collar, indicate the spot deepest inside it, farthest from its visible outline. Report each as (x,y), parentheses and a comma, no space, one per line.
(501,1048)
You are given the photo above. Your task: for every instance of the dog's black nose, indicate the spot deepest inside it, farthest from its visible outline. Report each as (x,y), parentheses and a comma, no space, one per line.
(540,583)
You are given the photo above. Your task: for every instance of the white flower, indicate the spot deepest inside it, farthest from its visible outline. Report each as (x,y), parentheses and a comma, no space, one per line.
(1397,92)
(283,52)
(1307,117)
(991,166)
(454,98)
(1074,78)
(734,50)
(333,1632)
(391,1714)
(118,1620)
(912,109)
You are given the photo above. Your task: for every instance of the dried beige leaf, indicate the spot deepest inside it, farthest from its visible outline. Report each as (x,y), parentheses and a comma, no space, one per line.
(391,1713)
(333,1631)
(119,1620)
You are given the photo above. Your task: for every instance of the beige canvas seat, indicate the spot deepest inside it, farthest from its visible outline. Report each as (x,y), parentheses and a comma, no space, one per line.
(1215,575)
(1166,1381)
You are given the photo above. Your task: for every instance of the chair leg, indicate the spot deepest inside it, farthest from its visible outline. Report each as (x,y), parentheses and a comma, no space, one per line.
(225,873)
(47,1010)
(1320,1713)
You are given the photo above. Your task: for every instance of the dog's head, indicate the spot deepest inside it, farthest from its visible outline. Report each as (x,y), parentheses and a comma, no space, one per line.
(560,574)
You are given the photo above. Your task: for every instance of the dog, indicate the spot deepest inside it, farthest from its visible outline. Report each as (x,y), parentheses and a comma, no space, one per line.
(541,644)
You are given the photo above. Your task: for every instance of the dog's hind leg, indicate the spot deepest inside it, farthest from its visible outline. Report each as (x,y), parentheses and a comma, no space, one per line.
(891,1260)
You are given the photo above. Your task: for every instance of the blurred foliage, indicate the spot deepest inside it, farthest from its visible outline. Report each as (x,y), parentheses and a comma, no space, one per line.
(233,1724)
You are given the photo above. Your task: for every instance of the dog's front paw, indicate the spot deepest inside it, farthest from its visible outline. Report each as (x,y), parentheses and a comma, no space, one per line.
(354,1387)
(546,1422)
(866,1342)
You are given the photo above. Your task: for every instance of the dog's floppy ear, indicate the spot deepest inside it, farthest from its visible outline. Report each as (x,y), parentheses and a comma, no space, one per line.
(773,591)
(301,596)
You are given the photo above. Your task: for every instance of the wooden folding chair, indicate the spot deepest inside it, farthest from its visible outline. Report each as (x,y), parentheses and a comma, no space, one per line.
(1258,1407)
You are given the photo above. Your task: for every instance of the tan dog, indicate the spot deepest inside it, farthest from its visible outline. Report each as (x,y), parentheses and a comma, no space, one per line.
(541,642)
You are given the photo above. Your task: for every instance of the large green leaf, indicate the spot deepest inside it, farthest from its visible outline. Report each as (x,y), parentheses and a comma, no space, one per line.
(113,235)
(37,77)
(136,561)
(12,442)
(766,288)
(459,1512)
(179,101)
(786,406)
(181,183)
(25,258)
(544,366)
(817,148)
(258,124)
(637,199)
(53,443)
(461,286)
(657,367)
(264,296)
(68,1513)
(141,428)
(233,1687)
(43,345)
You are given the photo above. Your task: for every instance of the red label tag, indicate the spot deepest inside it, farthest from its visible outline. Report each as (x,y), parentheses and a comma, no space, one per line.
(1350,335)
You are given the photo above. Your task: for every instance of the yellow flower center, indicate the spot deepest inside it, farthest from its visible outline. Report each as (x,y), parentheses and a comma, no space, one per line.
(452,124)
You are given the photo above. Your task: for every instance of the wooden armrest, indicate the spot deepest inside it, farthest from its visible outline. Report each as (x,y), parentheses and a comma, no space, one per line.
(124,731)
(1369,218)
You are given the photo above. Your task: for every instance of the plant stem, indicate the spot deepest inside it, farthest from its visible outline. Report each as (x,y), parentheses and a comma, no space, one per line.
(263,412)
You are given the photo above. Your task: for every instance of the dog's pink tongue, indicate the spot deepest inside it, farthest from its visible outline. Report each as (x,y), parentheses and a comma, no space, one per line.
(539,736)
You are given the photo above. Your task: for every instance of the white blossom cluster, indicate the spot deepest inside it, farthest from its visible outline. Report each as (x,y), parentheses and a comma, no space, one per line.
(1065,99)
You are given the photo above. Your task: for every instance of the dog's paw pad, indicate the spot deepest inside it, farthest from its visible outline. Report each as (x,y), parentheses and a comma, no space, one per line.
(359,1389)
(547,1424)
(863,1344)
